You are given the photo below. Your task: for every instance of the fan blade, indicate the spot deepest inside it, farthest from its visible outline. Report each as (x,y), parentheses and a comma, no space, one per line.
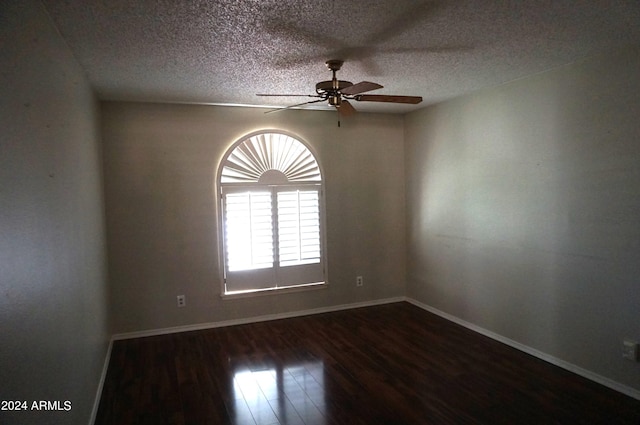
(293,106)
(388,98)
(346,109)
(360,88)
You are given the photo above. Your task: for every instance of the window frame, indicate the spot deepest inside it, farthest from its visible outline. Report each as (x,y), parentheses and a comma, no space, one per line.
(223,188)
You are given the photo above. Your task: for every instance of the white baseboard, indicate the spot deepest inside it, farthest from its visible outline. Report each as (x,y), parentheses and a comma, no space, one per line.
(631,392)
(103,376)
(256,319)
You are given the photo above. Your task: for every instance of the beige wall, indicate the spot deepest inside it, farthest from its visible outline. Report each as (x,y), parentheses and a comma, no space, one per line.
(160,166)
(524,211)
(53,295)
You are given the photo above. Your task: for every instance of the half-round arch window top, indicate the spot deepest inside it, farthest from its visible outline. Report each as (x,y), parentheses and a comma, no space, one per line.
(270,158)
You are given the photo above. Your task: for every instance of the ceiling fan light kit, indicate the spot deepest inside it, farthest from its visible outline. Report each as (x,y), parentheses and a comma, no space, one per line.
(338,93)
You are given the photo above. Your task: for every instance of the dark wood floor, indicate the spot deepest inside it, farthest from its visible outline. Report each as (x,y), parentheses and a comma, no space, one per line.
(390,364)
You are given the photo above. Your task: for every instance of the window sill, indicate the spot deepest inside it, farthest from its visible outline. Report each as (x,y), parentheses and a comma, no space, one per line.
(274,291)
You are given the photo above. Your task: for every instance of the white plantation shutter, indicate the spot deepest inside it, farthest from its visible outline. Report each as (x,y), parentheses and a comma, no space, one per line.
(270,151)
(299,237)
(272,221)
(249,230)
(298,227)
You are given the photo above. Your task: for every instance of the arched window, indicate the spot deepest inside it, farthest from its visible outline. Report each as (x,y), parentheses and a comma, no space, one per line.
(272,216)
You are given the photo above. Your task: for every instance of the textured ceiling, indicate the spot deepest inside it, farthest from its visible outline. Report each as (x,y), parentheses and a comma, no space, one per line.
(225,51)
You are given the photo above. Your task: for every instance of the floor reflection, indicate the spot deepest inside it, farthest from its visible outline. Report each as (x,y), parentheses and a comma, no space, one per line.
(274,394)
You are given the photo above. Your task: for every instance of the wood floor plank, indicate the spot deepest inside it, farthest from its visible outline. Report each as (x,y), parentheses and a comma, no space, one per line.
(390,364)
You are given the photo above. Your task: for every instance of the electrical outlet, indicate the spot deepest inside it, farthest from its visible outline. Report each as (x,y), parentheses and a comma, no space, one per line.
(182,301)
(630,350)
(359,281)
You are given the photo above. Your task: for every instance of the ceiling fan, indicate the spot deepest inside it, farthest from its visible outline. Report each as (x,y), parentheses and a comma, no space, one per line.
(338,93)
